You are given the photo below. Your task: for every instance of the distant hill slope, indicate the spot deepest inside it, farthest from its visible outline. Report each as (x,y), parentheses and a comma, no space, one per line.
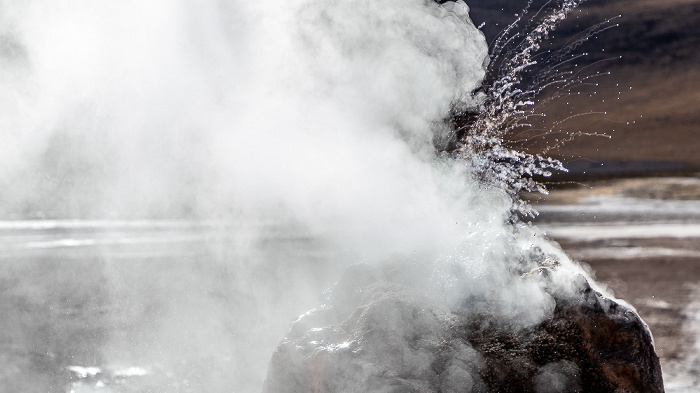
(658,42)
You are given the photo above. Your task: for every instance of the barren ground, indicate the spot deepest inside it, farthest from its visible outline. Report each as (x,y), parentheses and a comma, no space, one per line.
(655,267)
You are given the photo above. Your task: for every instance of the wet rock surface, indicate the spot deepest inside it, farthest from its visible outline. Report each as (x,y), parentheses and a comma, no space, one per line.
(379,335)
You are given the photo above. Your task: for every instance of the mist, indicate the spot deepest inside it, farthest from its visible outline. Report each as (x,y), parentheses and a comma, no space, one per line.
(298,134)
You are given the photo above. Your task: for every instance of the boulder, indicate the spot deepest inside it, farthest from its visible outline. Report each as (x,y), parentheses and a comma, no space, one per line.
(378,335)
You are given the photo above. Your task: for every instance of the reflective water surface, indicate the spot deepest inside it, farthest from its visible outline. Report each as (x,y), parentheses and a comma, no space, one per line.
(139,306)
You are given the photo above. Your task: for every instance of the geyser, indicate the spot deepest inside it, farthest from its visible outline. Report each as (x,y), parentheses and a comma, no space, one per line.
(299,138)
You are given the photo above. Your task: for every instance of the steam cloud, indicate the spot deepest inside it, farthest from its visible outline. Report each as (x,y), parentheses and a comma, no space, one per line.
(317,113)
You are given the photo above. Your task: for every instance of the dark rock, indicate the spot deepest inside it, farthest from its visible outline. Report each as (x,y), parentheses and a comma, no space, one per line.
(375,335)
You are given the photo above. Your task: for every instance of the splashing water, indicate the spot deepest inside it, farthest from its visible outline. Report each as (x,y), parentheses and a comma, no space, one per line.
(520,73)
(264,147)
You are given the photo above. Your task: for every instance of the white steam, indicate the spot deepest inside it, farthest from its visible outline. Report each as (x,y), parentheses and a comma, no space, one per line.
(171,108)
(319,115)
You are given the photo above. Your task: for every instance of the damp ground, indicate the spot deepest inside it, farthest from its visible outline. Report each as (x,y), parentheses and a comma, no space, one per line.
(641,238)
(76,295)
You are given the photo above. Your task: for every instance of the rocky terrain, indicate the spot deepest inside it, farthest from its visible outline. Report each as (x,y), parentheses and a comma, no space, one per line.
(377,334)
(639,237)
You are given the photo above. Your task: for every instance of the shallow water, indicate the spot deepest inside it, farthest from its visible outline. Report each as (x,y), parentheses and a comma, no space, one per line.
(117,306)
(79,317)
